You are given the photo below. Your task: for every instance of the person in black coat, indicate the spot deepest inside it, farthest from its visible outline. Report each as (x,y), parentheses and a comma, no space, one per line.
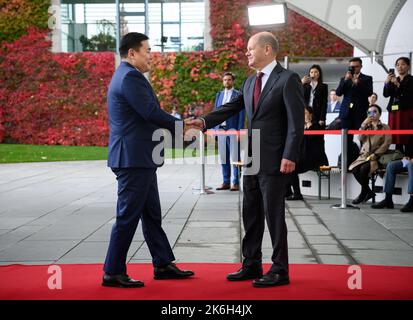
(312,155)
(315,94)
(356,88)
(400,107)
(274,104)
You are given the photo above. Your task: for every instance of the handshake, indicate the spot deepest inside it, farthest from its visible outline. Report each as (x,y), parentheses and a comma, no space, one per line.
(194,123)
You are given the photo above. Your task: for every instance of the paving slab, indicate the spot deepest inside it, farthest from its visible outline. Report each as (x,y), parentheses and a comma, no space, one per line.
(69,209)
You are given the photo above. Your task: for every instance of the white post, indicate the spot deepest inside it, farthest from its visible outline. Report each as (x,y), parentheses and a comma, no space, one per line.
(202,189)
(344,205)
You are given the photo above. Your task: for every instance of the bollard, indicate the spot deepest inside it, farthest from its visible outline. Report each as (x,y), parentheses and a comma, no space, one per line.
(202,189)
(344,145)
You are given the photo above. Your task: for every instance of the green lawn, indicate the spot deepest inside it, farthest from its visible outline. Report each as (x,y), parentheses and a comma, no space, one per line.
(14,153)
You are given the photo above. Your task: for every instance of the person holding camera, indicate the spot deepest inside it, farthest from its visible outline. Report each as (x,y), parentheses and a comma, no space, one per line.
(315,94)
(356,89)
(400,107)
(372,147)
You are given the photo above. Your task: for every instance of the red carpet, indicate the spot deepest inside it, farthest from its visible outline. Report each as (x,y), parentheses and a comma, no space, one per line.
(308,282)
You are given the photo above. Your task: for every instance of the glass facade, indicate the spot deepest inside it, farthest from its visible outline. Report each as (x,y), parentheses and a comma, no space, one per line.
(179,24)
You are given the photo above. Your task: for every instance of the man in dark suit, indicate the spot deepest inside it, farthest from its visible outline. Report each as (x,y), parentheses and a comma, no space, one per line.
(134,116)
(228,145)
(334,104)
(356,88)
(274,103)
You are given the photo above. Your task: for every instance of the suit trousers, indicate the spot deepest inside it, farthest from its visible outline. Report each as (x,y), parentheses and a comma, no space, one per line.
(264,199)
(138,198)
(228,148)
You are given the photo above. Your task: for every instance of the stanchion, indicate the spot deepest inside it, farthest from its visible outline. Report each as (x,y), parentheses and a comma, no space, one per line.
(344,145)
(202,188)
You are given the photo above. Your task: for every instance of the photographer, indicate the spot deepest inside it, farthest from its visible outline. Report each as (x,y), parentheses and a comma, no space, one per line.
(356,89)
(400,107)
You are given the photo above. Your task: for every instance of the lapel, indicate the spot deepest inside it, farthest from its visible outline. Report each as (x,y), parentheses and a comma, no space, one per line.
(274,76)
(248,92)
(220,99)
(234,94)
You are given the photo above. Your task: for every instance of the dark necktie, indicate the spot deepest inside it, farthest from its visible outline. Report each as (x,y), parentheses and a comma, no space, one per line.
(257,89)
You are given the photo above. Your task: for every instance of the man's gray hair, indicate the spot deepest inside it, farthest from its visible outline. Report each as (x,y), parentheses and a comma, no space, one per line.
(265,38)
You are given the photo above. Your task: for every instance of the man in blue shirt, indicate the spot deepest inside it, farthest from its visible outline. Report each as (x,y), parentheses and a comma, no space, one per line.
(228,145)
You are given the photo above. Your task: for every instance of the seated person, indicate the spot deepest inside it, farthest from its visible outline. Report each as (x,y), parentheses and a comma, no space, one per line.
(372,146)
(393,168)
(312,155)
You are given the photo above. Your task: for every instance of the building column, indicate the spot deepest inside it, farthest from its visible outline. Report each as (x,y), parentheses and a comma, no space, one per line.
(56,26)
(207,34)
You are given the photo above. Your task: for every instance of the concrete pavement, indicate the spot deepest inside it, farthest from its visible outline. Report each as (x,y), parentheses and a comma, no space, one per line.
(62,212)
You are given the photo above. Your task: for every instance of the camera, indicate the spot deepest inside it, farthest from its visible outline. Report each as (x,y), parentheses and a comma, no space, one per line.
(352,70)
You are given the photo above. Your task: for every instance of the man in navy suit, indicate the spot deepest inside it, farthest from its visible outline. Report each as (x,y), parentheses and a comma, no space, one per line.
(356,88)
(134,116)
(228,145)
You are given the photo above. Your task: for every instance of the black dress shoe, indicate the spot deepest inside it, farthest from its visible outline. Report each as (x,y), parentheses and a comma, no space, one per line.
(295,197)
(408,207)
(383,204)
(171,271)
(360,198)
(369,196)
(245,274)
(120,281)
(271,280)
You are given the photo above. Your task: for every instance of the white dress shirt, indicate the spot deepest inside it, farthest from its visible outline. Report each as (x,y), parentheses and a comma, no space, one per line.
(267,71)
(226,99)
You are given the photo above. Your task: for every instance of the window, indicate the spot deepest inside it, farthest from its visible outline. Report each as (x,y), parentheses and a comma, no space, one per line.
(179,24)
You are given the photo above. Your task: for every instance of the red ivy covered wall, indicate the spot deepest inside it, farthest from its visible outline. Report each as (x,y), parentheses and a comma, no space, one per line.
(48,98)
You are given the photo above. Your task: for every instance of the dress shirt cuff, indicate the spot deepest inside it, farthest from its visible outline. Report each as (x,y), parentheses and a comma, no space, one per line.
(203,120)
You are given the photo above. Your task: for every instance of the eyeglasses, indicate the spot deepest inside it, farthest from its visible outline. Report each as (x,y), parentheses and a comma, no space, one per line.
(372,112)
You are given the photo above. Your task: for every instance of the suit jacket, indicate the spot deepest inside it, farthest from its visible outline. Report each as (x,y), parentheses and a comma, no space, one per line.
(237,121)
(355,102)
(402,96)
(319,102)
(134,115)
(279,115)
(336,108)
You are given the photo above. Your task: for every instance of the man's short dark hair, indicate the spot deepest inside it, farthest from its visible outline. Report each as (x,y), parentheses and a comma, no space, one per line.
(228,74)
(356,59)
(131,40)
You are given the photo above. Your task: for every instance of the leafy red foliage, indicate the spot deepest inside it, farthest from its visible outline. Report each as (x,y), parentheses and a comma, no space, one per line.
(48,98)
